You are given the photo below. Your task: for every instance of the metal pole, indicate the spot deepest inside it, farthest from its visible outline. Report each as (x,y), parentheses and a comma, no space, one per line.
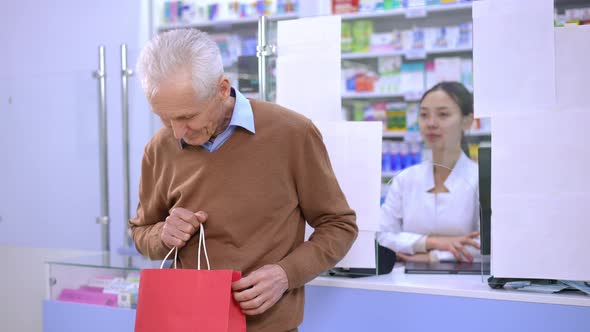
(154,122)
(261,53)
(103,219)
(125,74)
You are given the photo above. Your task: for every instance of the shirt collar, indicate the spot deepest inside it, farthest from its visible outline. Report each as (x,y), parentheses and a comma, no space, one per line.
(242,115)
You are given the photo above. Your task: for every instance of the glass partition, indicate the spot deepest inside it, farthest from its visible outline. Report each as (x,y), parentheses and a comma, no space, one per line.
(106,279)
(392,53)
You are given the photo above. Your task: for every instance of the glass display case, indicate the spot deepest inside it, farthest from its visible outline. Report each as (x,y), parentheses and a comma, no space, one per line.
(106,279)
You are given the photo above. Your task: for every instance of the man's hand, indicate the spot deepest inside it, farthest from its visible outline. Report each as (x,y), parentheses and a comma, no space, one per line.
(419,258)
(454,244)
(261,289)
(180,226)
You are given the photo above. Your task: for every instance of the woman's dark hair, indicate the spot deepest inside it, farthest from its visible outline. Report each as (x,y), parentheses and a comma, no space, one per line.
(458,92)
(464,99)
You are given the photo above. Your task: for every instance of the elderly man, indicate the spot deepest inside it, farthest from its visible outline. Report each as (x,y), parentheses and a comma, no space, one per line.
(252,171)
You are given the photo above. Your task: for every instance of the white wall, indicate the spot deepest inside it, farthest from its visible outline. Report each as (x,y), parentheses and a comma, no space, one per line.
(49,186)
(49,130)
(22,285)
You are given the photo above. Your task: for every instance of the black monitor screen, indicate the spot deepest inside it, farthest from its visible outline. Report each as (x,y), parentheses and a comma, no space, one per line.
(485,188)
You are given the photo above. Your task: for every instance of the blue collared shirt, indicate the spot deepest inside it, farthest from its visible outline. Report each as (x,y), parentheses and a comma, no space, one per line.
(242,116)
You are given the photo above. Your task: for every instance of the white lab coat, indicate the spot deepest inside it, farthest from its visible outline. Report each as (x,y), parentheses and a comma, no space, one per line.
(410,212)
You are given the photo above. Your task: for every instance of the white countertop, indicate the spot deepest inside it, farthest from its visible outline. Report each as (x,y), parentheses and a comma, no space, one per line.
(449,285)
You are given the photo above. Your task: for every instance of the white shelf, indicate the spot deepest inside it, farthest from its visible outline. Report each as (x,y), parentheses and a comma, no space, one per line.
(370,95)
(394,134)
(404,134)
(449,7)
(403,11)
(479,132)
(381,13)
(216,23)
(368,55)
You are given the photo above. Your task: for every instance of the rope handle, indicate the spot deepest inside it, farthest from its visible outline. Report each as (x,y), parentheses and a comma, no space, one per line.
(201,243)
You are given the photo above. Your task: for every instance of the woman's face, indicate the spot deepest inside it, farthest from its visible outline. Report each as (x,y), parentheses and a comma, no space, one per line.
(441,122)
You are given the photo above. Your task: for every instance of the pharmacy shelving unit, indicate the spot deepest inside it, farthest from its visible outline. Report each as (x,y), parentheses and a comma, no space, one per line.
(410,55)
(402,19)
(406,18)
(417,12)
(248,22)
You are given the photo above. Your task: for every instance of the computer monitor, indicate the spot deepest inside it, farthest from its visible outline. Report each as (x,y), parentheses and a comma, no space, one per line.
(485,193)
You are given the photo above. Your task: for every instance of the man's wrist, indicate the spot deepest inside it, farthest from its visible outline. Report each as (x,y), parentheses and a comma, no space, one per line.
(284,277)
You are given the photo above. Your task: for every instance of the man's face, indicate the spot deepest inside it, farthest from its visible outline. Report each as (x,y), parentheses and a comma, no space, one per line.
(179,107)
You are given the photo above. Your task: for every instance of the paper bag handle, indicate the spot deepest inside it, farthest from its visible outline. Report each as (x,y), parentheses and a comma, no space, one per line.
(201,243)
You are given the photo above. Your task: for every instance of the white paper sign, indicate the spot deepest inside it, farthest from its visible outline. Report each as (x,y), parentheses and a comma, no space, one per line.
(533,153)
(308,81)
(362,253)
(540,236)
(513,56)
(540,194)
(572,67)
(355,154)
(308,67)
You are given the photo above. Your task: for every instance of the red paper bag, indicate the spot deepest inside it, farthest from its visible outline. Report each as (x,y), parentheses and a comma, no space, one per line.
(172,300)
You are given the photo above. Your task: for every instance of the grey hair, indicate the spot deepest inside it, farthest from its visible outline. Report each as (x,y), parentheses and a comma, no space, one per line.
(183,49)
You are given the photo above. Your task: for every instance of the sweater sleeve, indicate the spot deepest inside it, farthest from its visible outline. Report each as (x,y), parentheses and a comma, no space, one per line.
(325,209)
(151,212)
(391,234)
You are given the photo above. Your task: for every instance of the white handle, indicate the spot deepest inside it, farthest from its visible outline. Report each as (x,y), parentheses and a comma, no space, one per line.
(201,242)
(175,257)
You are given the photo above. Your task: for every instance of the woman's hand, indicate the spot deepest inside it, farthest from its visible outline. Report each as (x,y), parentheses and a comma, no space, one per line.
(419,258)
(454,244)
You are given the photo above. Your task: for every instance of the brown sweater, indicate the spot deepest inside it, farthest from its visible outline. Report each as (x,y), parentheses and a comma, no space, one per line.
(258,190)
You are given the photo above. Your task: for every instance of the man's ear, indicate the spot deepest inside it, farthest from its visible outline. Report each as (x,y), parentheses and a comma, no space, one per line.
(224,87)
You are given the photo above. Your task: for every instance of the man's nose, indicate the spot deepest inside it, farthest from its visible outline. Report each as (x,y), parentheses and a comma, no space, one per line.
(179,129)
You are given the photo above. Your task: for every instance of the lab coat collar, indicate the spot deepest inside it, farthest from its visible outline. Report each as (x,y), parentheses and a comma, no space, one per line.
(460,176)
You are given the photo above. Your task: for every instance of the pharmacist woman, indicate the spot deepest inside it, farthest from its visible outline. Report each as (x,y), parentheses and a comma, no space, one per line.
(431,211)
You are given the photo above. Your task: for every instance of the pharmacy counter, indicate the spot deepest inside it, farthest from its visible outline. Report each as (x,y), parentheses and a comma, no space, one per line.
(393,302)
(403,302)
